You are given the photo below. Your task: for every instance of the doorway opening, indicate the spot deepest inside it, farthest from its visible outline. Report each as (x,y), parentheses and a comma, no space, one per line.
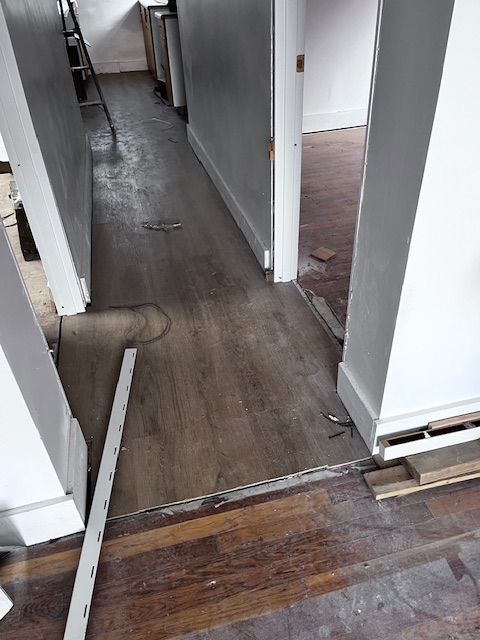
(23,246)
(339,48)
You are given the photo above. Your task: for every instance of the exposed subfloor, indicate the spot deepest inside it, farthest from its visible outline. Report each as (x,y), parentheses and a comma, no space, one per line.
(233,393)
(323,560)
(331,177)
(32,271)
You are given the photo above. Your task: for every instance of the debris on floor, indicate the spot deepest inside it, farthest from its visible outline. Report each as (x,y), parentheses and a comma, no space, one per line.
(335,435)
(323,254)
(168,125)
(168,227)
(397,481)
(346,423)
(434,468)
(342,422)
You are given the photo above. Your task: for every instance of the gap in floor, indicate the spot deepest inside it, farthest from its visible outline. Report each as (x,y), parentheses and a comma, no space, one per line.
(233,393)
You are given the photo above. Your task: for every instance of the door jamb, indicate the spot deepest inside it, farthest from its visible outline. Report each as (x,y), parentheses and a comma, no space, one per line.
(289,42)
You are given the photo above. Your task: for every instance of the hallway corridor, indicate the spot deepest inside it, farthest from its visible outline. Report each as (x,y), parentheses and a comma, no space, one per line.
(232,373)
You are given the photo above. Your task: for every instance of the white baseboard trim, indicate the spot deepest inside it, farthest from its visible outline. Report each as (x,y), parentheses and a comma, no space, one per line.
(372,428)
(120,66)
(261,252)
(40,522)
(56,517)
(314,122)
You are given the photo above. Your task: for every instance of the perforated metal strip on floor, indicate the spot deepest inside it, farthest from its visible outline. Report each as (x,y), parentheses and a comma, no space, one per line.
(79,611)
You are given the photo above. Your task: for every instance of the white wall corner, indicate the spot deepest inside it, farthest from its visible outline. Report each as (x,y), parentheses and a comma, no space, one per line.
(77,467)
(358,407)
(56,517)
(259,249)
(40,522)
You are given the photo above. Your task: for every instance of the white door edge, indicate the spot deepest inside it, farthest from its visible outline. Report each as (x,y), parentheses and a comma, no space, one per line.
(289,42)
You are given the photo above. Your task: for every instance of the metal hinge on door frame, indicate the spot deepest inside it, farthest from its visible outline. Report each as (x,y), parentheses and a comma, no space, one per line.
(271,149)
(301,63)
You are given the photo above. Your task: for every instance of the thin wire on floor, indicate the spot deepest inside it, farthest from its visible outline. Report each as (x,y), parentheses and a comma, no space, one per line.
(135,309)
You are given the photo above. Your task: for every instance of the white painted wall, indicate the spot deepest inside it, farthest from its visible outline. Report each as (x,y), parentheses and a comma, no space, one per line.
(226,48)
(37,454)
(409,64)
(43,132)
(339,41)
(438,323)
(114,30)
(3,151)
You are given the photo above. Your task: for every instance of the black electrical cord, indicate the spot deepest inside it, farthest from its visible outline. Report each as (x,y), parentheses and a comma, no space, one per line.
(135,309)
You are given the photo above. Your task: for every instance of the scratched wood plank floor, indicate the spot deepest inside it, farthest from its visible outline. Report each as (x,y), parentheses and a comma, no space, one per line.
(323,560)
(331,176)
(234,394)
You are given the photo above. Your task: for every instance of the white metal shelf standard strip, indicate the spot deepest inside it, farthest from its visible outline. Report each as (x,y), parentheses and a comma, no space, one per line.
(79,611)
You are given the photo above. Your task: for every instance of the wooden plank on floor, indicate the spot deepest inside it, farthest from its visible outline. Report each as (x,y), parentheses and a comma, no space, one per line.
(396,481)
(444,463)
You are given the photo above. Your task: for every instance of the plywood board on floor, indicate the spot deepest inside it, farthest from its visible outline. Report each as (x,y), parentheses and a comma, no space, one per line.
(233,394)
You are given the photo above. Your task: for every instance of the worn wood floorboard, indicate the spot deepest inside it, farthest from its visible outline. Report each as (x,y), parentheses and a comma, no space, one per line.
(233,394)
(331,176)
(323,560)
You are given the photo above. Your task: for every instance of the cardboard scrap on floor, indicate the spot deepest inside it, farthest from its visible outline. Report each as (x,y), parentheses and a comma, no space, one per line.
(323,254)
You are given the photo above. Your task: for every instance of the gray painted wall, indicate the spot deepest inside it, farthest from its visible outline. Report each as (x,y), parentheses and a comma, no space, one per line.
(226,49)
(36,34)
(411,50)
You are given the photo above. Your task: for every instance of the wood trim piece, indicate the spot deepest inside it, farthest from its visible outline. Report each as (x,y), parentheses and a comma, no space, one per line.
(396,481)
(444,463)
(450,422)
(79,611)
(447,434)
(148,37)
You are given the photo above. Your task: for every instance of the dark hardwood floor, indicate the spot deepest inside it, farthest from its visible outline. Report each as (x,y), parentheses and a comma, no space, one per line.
(233,394)
(331,176)
(322,560)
